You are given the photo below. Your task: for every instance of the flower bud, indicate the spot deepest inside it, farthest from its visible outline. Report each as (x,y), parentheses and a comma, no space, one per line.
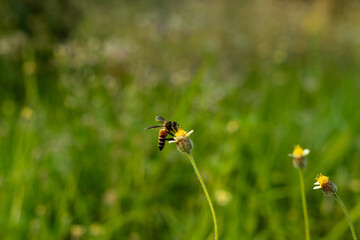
(299,163)
(185,145)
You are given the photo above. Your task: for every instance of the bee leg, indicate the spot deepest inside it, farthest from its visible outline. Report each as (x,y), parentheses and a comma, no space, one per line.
(169,139)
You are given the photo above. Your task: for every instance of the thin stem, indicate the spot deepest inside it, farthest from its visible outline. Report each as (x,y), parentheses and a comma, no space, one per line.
(303,198)
(346,215)
(206,194)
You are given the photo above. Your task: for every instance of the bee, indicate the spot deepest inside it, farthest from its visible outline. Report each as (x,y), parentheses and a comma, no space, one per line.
(168,128)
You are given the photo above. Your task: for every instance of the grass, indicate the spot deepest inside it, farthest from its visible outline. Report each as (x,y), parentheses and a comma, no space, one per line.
(251,79)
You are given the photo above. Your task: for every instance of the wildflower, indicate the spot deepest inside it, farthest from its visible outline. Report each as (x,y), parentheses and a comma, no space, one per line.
(184,143)
(329,188)
(299,155)
(323,182)
(299,152)
(299,162)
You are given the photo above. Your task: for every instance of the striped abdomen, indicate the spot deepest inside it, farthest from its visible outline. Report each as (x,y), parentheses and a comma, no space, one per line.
(162,138)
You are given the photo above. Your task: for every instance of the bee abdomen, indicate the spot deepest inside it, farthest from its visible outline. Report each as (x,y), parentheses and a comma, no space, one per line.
(161,143)
(162,136)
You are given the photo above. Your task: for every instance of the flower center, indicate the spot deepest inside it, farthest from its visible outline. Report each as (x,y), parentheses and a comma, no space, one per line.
(180,133)
(322,180)
(298,151)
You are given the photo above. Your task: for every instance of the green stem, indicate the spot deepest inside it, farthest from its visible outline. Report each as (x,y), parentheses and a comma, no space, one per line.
(303,198)
(346,215)
(206,194)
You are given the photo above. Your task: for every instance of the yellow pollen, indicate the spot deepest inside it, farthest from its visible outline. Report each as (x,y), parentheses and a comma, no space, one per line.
(298,151)
(180,132)
(321,179)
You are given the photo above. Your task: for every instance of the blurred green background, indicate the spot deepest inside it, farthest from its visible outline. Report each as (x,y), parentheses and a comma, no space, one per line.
(80,80)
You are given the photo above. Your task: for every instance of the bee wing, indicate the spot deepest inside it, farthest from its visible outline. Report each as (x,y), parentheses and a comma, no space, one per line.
(160,119)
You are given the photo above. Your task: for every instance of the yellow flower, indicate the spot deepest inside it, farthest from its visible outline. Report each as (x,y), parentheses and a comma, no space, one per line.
(181,133)
(299,155)
(299,152)
(323,182)
(184,143)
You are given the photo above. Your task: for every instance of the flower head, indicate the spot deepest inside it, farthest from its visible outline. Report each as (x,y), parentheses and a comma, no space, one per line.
(181,133)
(299,155)
(323,182)
(184,143)
(299,152)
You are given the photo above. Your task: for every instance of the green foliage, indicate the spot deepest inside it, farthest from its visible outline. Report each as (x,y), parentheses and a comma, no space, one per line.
(251,78)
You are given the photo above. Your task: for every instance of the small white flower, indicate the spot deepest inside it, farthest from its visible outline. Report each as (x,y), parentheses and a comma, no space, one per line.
(182,140)
(323,183)
(180,137)
(299,152)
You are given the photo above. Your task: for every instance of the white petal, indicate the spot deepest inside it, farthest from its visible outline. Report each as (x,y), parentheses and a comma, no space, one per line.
(306,152)
(290,155)
(317,187)
(171,141)
(317,183)
(190,132)
(178,138)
